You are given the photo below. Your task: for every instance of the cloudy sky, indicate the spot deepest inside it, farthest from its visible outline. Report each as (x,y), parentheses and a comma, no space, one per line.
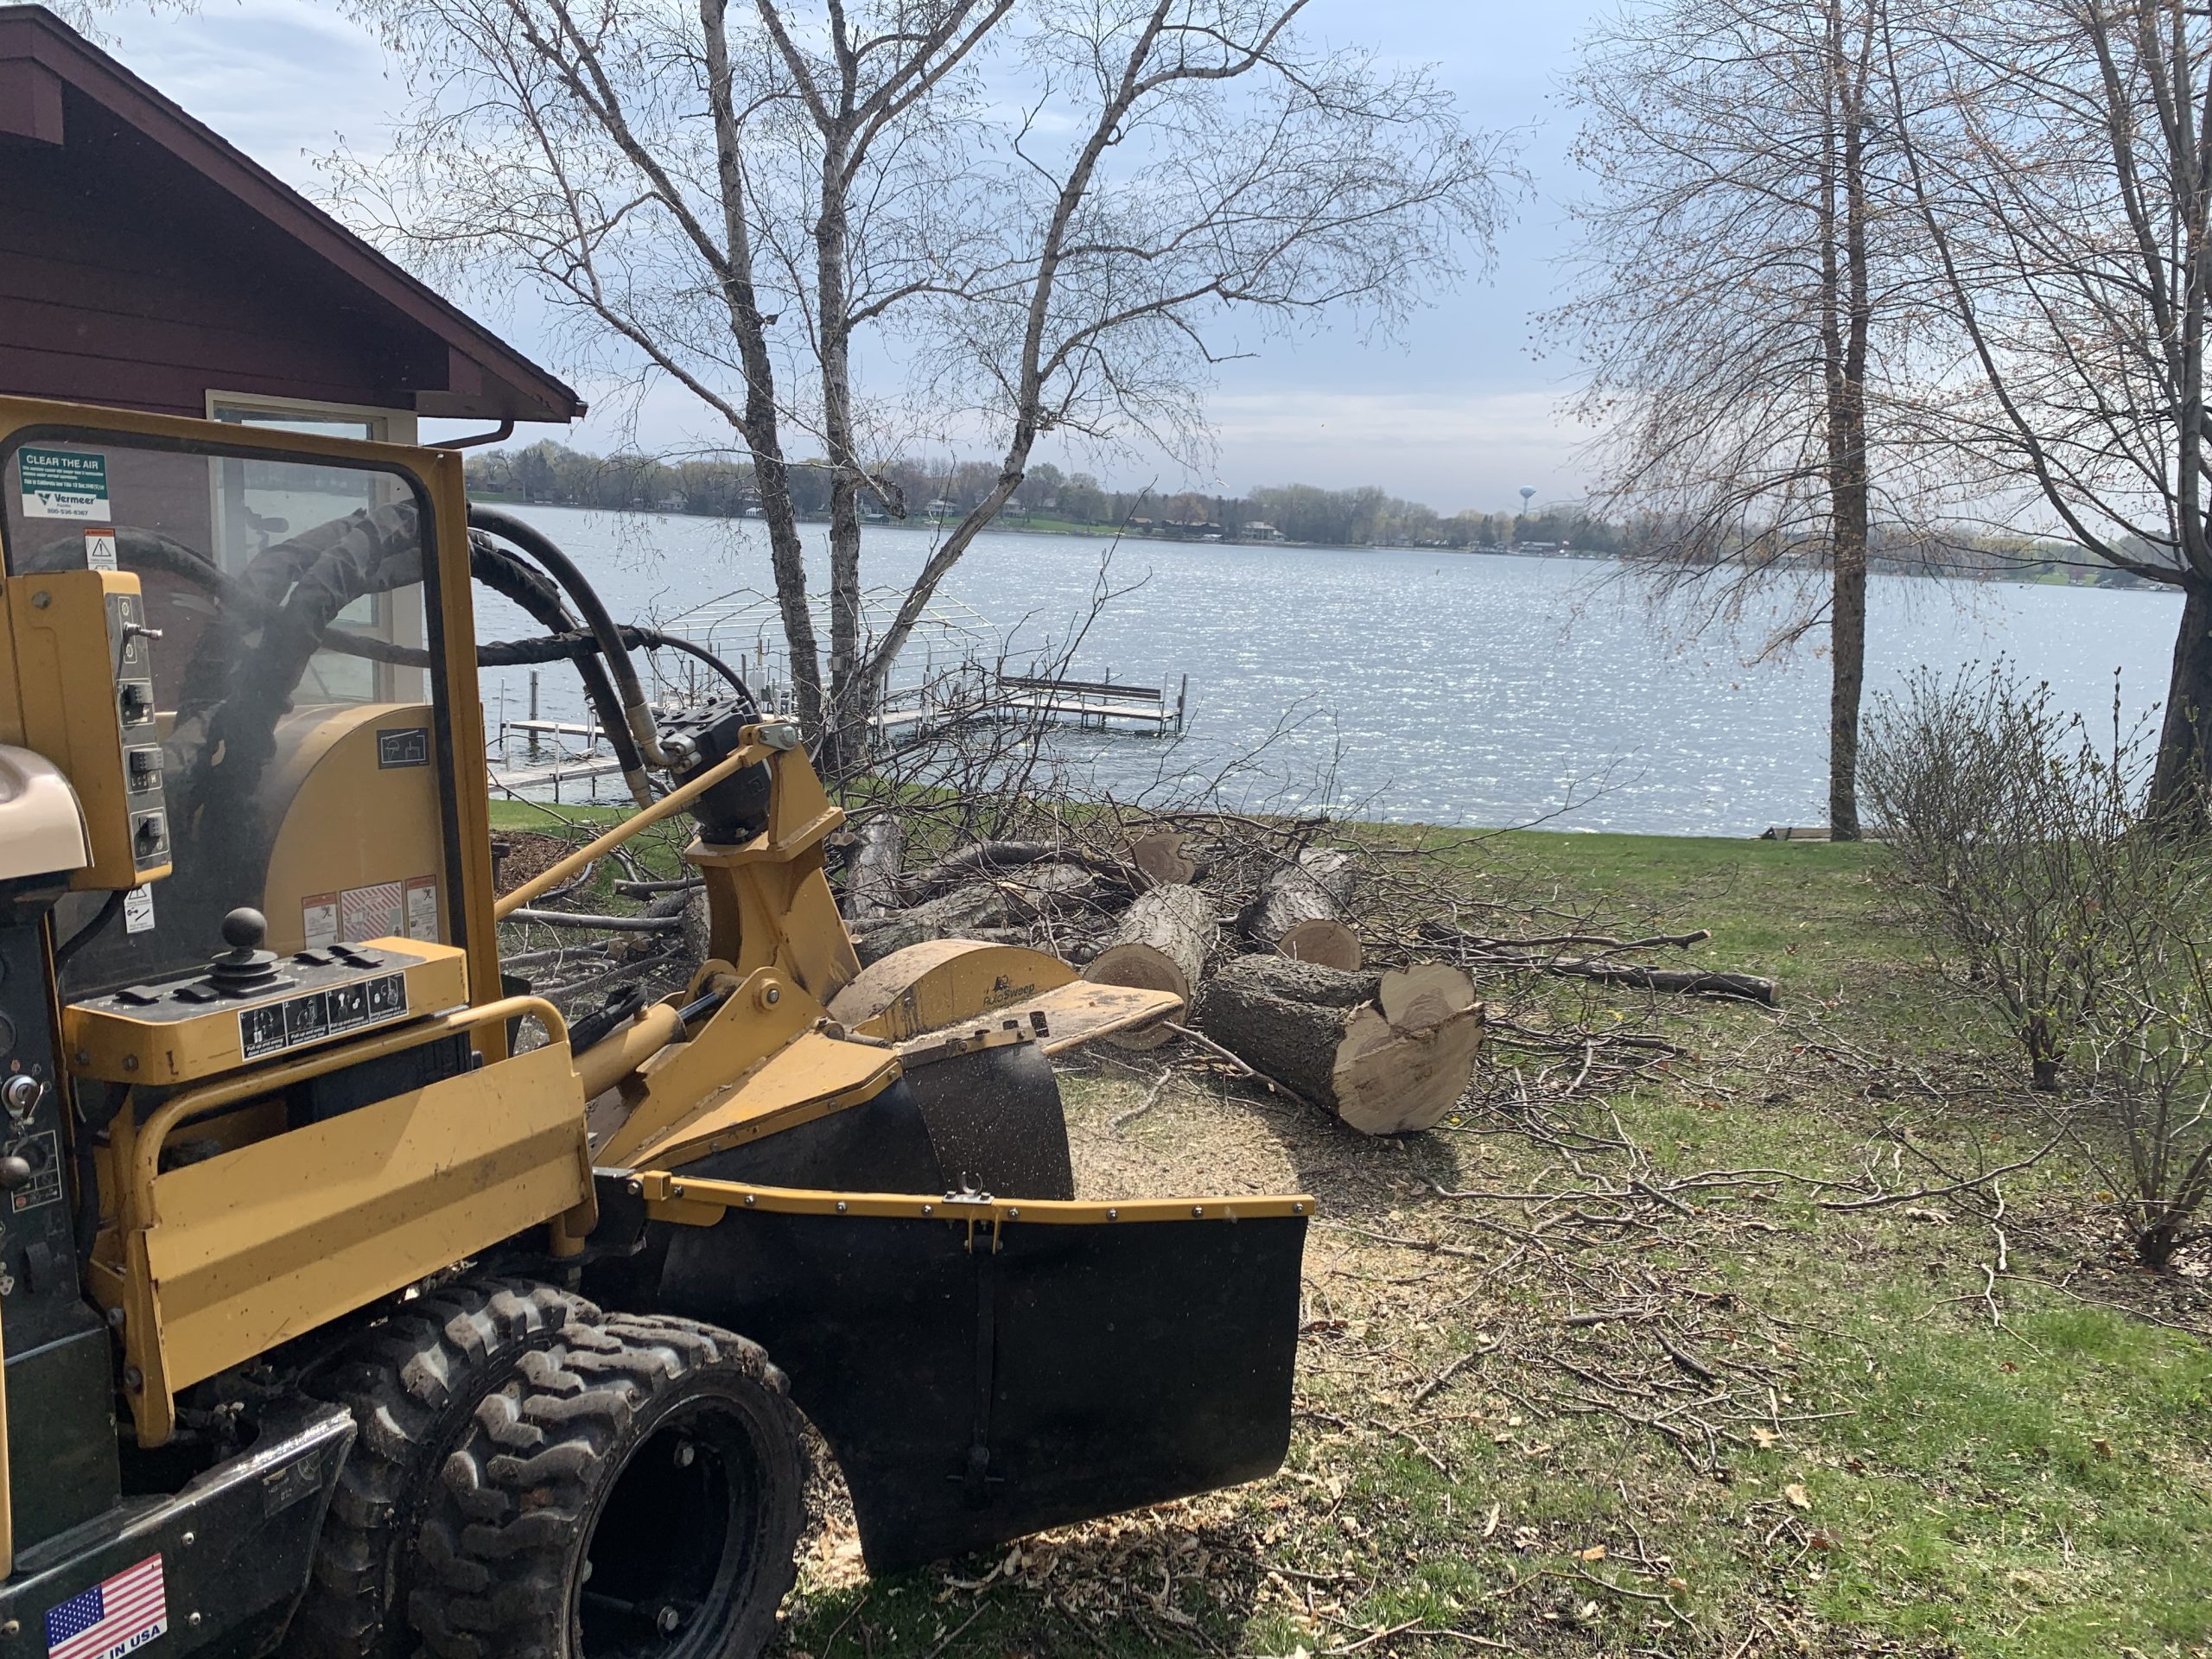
(1457,413)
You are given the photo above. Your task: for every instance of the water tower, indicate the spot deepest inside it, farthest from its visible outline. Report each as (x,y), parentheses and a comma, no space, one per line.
(1528,494)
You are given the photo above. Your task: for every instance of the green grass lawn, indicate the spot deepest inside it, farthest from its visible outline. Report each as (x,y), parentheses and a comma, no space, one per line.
(1912,1450)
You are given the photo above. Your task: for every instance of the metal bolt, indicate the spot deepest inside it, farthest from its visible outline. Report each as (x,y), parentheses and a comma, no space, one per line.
(194,1621)
(114,1318)
(1297,1209)
(13,1627)
(1013,1213)
(1113,1214)
(131,1062)
(667,1620)
(41,599)
(133,1378)
(1197,1210)
(636,1189)
(772,995)
(84,1057)
(841,1206)
(189,1539)
(686,1455)
(929,1209)
(749,1200)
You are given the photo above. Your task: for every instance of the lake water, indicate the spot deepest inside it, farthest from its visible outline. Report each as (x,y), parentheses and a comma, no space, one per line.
(1441,688)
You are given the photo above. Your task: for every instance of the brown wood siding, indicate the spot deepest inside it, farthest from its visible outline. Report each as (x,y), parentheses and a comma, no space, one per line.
(126,278)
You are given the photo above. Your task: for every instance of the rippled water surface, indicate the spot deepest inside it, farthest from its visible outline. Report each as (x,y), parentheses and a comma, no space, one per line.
(1442,688)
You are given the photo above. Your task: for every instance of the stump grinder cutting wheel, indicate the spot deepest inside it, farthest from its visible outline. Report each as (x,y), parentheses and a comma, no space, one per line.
(336,1319)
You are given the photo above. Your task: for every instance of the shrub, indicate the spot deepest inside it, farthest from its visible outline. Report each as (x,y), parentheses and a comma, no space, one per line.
(2020,842)
(1994,804)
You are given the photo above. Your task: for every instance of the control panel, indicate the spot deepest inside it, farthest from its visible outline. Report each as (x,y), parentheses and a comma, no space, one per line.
(84,670)
(38,1261)
(250,1006)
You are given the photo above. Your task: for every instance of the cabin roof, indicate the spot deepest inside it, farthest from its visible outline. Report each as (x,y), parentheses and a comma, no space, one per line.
(145,260)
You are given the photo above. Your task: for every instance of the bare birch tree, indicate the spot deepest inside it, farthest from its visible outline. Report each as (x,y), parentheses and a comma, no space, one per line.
(1062,216)
(1740,313)
(2060,153)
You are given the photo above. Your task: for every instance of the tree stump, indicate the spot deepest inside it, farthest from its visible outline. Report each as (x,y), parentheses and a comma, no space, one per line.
(1301,910)
(1388,1054)
(1161,945)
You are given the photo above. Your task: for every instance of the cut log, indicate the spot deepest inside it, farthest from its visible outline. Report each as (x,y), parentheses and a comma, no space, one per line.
(1301,910)
(1164,857)
(980,907)
(1674,981)
(1388,1054)
(986,858)
(872,885)
(1161,945)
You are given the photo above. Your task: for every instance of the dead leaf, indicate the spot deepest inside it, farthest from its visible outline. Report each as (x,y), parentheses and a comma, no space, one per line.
(1798,1497)
(1766,1437)
(1595,1553)
(2103,1447)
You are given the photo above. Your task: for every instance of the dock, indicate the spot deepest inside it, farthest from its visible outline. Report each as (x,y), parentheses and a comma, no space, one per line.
(1096,703)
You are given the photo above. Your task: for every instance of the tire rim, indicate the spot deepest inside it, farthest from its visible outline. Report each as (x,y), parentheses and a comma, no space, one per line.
(673,1552)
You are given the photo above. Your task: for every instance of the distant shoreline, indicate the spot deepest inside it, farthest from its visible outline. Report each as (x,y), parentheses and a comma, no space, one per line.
(2125,583)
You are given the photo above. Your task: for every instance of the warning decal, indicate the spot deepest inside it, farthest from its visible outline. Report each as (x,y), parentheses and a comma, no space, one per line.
(319,919)
(62,484)
(272,1027)
(370,913)
(100,548)
(422,908)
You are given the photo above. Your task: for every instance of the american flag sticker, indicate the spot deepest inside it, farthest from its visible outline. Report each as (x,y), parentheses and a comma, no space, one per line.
(114,1616)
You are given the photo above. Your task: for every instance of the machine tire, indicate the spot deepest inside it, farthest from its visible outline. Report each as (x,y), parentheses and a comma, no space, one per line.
(677,1438)
(413,1380)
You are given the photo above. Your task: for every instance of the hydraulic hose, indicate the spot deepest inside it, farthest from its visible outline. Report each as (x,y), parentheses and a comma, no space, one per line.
(586,598)
(512,580)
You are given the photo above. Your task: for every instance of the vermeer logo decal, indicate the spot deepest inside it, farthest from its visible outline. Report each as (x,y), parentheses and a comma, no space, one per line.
(62,484)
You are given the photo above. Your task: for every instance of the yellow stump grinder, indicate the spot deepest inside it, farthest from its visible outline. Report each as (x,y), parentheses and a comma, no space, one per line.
(339,1317)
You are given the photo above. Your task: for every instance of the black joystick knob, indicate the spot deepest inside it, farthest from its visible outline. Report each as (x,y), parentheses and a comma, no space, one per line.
(246,967)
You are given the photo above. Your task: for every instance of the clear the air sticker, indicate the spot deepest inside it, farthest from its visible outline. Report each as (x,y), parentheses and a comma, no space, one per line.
(64,484)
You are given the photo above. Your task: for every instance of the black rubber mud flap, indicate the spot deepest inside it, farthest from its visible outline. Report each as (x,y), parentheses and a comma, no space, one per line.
(995,1122)
(972,1396)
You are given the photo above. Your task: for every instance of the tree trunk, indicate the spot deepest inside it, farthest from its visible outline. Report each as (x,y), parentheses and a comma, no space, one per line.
(1847,636)
(1161,945)
(844,739)
(1300,909)
(1846,310)
(2185,737)
(771,476)
(1388,1054)
(872,887)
